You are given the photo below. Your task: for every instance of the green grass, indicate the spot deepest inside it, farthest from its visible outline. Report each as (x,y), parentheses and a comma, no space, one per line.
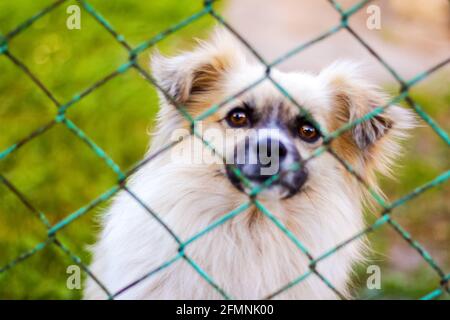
(405,275)
(58,173)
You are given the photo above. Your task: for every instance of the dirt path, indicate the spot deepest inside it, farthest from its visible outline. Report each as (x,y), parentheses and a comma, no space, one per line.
(412,38)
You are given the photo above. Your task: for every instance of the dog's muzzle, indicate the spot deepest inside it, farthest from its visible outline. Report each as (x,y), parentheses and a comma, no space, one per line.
(262,158)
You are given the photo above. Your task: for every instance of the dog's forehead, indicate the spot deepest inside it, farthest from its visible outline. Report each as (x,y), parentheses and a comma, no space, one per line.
(273,108)
(296,90)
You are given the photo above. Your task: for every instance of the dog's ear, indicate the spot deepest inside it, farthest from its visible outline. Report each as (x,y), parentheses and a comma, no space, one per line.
(373,144)
(191,76)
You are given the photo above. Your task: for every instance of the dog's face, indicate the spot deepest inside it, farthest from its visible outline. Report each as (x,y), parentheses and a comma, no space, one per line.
(262,138)
(267,138)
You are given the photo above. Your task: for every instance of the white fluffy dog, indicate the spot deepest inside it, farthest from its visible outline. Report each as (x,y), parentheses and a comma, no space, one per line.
(248,256)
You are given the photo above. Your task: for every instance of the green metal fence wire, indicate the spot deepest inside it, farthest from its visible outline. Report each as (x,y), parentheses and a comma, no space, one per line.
(134,52)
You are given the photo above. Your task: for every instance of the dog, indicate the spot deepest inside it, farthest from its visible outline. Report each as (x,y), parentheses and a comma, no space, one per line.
(248,256)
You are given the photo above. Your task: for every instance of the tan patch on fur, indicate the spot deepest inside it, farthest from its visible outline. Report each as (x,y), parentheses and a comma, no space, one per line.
(344,145)
(350,103)
(205,89)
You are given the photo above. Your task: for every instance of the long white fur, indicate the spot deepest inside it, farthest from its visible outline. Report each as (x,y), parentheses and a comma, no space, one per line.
(248,256)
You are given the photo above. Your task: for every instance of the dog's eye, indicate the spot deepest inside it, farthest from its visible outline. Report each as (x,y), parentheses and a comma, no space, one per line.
(237,118)
(308,133)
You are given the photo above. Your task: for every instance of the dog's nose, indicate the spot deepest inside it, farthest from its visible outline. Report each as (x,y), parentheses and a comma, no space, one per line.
(270,156)
(259,159)
(271,148)
(264,157)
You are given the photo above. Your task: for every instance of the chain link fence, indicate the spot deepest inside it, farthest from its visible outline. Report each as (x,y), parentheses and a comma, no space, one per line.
(385,217)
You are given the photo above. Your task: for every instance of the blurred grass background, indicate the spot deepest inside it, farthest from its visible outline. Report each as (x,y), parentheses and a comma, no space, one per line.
(58,173)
